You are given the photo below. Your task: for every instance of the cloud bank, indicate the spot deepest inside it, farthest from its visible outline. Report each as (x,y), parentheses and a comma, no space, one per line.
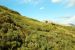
(68,3)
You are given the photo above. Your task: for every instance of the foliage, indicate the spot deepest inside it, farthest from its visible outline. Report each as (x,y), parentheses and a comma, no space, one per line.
(22,33)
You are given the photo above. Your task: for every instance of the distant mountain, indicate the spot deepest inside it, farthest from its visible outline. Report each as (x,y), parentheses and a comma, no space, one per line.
(72,24)
(19,32)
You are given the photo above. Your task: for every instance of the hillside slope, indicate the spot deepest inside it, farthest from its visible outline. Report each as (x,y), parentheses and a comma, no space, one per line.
(18,32)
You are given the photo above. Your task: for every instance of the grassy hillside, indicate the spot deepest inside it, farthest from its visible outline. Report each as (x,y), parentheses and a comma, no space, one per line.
(19,32)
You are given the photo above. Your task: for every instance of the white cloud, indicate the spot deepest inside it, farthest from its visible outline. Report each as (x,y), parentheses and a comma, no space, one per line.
(41,8)
(31,1)
(66,21)
(71,3)
(56,1)
(69,20)
(68,3)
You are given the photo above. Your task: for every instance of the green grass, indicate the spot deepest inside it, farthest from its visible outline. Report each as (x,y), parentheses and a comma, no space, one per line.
(19,32)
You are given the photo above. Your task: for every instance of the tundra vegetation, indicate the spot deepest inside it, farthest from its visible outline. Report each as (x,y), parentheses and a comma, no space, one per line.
(19,32)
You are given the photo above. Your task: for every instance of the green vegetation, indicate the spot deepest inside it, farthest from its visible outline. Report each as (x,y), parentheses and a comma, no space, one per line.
(22,33)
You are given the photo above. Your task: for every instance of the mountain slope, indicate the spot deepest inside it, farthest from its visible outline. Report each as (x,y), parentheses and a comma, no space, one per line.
(18,32)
